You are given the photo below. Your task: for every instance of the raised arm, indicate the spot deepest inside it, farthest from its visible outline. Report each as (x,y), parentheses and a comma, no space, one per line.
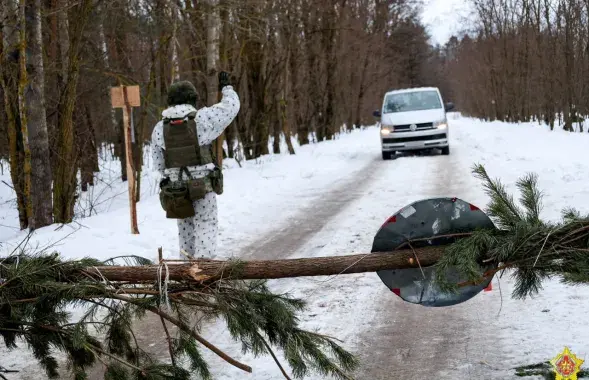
(212,121)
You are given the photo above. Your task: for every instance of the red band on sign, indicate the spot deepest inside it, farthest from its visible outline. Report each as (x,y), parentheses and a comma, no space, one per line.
(473,208)
(392,219)
(397,291)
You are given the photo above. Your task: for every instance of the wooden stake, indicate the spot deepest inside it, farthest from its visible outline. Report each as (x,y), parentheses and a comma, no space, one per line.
(130,170)
(126,97)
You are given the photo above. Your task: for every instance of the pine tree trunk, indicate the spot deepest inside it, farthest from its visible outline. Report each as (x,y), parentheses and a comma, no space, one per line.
(211,270)
(64,188)
(41,176)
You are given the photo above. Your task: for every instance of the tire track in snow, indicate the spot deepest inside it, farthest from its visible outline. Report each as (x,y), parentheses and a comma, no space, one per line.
(408,341)
(296,231)
(286,240)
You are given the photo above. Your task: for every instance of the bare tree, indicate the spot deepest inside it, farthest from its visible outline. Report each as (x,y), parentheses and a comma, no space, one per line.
(9,81)
(41,176)
(302,69)
(64,182)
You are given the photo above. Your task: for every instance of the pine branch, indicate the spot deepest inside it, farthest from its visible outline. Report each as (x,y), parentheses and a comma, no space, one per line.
(535,250)
(531,198)
(37,289)
(188,330)
(502,206)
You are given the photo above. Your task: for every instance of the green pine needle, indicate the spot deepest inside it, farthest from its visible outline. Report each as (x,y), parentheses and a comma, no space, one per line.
(502,207)
(37,290)
(531,198)
(534,250)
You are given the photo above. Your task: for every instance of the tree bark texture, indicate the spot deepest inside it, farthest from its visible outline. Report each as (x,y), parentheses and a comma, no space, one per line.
(64,187)
(204,270)
(41,176)
(87,149)
(22,84)
(130,164)
(213,33)
(9,81)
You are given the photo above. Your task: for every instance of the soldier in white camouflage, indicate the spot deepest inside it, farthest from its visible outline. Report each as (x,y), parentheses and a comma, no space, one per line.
(182,153)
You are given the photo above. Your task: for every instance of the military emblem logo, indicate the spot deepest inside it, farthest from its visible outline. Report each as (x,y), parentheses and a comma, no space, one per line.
(566,365)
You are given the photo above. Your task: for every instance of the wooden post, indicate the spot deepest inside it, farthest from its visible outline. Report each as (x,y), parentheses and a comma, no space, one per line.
(126,97)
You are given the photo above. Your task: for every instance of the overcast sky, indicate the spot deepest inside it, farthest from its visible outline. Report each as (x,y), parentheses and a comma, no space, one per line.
(444,18)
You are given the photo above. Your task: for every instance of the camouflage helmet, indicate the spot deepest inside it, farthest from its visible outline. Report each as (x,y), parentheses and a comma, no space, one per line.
(182,92)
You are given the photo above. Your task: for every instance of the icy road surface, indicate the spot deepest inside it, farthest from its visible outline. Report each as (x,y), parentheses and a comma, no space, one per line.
(330,199)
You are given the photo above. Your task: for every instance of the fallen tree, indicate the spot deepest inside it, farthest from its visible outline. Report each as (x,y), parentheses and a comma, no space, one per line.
(35,291)
(205,270)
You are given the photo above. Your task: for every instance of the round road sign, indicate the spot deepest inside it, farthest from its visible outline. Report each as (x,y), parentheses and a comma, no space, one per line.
(424,219)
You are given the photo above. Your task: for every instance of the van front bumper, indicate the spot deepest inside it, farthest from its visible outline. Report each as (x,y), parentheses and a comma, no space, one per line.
(437,138)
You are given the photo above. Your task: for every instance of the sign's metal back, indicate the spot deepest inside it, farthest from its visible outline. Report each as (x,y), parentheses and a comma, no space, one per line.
(421,220)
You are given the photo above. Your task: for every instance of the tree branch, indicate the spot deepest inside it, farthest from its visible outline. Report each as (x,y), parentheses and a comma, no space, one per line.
(187,329)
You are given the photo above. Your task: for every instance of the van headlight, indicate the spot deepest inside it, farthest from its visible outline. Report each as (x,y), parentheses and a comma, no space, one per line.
(441,124)
(386,129)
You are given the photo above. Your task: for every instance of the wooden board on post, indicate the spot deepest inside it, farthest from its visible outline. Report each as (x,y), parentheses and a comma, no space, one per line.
(126,97)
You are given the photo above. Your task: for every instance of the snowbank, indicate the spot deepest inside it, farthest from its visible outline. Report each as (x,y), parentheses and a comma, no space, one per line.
(264,195)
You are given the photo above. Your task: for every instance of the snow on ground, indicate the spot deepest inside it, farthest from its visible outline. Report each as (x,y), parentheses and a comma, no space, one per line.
(536,329)
(269,189)
(262,195)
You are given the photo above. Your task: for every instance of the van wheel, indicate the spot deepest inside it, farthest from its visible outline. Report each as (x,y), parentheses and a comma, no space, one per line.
(387,155)
(446,150)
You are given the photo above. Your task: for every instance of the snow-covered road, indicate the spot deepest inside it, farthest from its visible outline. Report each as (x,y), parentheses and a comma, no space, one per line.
(330,199)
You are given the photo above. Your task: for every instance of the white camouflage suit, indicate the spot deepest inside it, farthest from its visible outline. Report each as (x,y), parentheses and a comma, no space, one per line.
(198,235)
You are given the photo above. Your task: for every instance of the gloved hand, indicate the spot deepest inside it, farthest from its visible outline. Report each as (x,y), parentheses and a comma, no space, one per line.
(164,182)
(223,80)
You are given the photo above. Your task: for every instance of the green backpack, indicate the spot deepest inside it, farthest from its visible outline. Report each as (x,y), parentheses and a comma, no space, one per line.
(183,150)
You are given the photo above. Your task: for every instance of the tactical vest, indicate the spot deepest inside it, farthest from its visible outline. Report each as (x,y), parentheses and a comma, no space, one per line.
(182,145)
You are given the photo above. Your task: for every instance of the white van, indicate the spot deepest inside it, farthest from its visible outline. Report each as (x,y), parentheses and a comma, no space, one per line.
(413,119)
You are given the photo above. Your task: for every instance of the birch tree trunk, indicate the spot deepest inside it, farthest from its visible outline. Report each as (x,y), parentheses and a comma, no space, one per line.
(41,176)
(175,66)
(213,32)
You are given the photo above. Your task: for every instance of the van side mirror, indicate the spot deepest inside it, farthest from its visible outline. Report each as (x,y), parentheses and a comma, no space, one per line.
(376,113)
(449,106)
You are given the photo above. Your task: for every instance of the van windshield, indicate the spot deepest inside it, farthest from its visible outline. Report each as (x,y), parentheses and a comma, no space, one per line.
(412,101)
